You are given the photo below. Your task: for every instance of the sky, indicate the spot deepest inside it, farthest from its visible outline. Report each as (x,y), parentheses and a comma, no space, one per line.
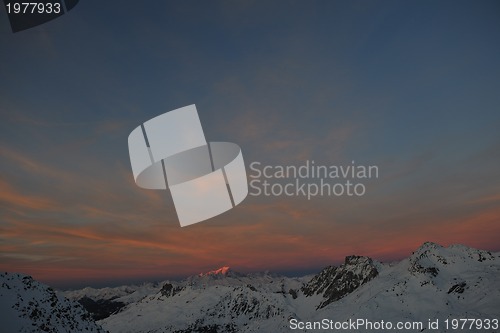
(409,86)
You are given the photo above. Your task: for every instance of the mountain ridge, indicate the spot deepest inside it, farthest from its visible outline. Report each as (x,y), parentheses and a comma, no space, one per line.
(30,306)
(433,283)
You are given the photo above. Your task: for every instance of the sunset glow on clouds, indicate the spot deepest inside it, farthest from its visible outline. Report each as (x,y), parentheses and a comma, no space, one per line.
(411,91)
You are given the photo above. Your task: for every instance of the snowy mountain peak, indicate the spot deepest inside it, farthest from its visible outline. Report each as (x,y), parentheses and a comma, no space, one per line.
(430,249)
(221,271)
(430,246)
(222,275)
(430,258)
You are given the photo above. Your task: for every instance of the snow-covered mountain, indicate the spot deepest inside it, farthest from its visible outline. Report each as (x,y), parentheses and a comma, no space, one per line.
(434,283)
(222,300)
(29,306)
(127,294)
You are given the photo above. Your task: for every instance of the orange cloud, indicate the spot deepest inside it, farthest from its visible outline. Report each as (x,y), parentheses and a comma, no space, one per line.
(11,197)
(111,228)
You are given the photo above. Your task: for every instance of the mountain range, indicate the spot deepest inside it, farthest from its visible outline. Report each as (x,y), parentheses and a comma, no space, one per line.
(432,290)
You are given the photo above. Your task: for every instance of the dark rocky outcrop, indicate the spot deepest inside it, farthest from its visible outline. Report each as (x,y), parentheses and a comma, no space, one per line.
(336,282)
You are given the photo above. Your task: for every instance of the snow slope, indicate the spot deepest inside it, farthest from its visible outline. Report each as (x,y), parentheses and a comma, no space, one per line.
(29,306)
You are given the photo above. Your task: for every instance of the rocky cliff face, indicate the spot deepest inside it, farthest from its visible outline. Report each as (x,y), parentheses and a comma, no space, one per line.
(333,283)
